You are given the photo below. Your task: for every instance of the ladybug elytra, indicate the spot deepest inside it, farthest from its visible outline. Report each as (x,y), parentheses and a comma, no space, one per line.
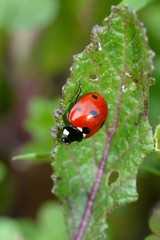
(86,118)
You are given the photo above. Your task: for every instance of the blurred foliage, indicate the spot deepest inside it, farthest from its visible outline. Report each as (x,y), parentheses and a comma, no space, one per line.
(38,124)
(157,140)
(17,14)
(150,16)
(154,224)
(70,32)
(3,171)
(59,29)
(6,95)
(49,225)
(136,4)
(151,166)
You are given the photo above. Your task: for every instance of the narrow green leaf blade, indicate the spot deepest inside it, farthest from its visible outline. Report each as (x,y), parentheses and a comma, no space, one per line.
(99,173)
(135,4)
(36,155)
(157,140)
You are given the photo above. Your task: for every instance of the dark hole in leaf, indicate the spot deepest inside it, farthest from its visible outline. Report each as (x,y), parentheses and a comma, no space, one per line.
(93,77)
(113,177)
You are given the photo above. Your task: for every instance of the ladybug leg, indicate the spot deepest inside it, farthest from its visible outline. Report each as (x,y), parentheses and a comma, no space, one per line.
(66,113)
(58,113)
(66,117)
(78,93)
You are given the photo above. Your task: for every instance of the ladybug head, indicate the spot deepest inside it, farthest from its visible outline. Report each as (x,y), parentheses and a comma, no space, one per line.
(71,134)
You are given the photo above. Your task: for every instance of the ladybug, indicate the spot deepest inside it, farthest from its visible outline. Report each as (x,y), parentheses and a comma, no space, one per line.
(86,118)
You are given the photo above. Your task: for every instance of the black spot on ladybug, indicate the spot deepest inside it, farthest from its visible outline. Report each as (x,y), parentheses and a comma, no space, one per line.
(94,96)
(102,124)
(79,109)
(94,113)
(86,130)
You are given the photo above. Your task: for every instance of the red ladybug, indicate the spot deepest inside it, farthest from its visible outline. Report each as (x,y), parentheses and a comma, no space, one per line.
(86,117)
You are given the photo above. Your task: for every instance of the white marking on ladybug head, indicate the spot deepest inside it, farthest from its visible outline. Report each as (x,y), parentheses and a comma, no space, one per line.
(84,135)
(80,129)
(65,132)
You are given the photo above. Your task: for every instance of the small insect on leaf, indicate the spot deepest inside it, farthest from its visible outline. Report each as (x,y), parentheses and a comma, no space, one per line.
(86,118)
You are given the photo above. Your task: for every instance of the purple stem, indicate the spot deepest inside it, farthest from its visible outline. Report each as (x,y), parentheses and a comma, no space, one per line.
(100,173)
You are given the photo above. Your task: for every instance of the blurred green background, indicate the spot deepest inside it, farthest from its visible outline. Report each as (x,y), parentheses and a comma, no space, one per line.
(37,41)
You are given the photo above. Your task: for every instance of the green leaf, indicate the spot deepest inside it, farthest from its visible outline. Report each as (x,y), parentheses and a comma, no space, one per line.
(136,4)
(42,155)
(3,171)
(151,170)
(9,229)
(157,140)
(28,228)
(154,224)
(151,165)
(20,14)
(51,223)
(152,237)
(154,221)
(99,173)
